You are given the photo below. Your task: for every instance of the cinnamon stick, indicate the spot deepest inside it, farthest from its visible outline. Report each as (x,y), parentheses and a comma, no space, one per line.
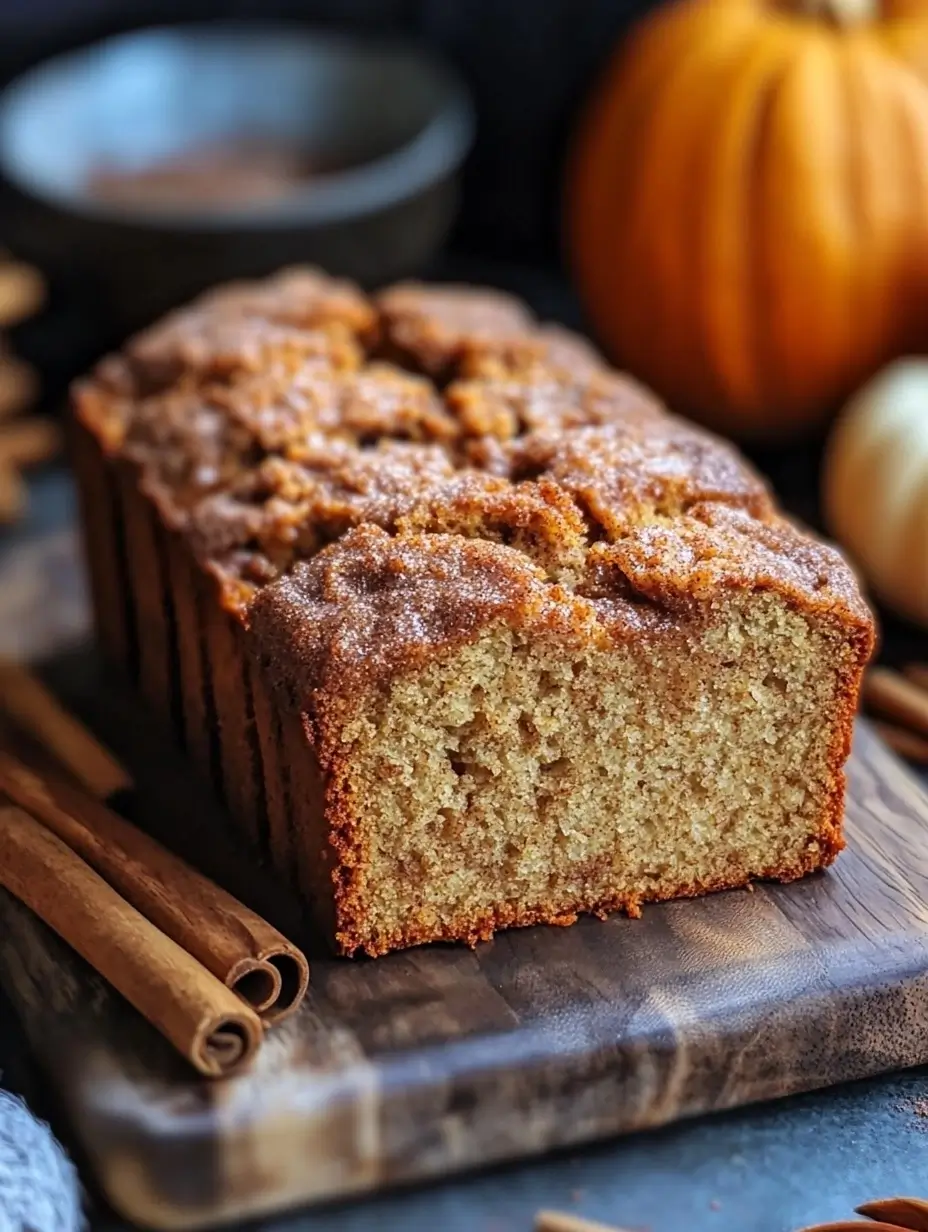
(905,743)
(22,291)
(37,711)
(204,1021)
(12,494)
(232,942)
(918,674)
(561,1221)
(893,697)
(911,1213)
(19,386)
(852,1225)
(27,442)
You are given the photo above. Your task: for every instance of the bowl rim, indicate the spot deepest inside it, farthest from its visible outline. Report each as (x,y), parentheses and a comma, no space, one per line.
(431,155)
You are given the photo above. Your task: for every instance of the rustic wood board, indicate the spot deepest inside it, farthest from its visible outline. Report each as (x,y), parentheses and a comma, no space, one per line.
(439,1059)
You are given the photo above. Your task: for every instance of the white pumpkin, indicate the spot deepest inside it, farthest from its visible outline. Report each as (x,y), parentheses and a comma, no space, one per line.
(876,485)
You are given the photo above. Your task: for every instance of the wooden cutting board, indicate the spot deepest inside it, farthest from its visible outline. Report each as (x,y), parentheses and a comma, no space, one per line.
(442,1058)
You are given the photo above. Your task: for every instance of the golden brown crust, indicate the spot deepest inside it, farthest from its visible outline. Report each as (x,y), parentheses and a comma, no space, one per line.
(432,328)
(259,429)
(361,519)
(373,606)
(354,934)
(714,547)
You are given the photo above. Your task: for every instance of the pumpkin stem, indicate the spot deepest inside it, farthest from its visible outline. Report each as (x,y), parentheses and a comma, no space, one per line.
(838,12)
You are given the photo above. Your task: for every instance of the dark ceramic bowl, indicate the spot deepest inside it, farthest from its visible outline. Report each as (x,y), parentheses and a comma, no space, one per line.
(393,124)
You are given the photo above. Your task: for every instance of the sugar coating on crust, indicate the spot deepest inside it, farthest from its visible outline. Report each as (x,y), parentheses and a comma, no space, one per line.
(384,604)
(298,296)
(266,424)
(434,327)
(545,401)
(299,315)
(373,606)
(485,572)
(716,548)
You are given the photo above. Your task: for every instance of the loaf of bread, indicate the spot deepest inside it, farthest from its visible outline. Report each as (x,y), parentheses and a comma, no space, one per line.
(467,629)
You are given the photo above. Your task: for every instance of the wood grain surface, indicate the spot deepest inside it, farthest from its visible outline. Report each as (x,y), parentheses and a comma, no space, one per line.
(440,1059)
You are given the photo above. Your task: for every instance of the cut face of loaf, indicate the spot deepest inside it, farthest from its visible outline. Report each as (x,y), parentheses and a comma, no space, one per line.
(467,629)
(499,751)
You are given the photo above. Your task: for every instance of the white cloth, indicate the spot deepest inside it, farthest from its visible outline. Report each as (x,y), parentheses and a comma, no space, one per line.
(39,1189)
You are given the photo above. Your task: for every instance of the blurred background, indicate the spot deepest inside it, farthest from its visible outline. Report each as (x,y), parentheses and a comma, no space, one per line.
(526,67)
(731,198)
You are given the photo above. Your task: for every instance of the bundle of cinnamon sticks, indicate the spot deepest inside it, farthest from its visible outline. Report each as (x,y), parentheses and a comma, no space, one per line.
(25,441)
(203,968)
(898,702)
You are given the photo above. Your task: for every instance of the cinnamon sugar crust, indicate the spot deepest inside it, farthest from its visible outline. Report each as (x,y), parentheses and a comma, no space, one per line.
(543,647)
(432,328)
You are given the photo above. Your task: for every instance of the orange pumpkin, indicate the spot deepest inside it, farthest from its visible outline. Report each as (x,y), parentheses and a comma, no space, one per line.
(748,204)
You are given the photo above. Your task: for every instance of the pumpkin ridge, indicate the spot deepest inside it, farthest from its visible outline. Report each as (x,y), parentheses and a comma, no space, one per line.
(764,293)
(913,275)
(806,237)
(640,318)
(661,263)
(599,210)
(731,332)
(876,250)
(906,39)
(853,193)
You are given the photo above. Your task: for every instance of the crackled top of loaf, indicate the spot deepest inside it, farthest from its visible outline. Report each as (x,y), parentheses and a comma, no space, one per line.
(307,439)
